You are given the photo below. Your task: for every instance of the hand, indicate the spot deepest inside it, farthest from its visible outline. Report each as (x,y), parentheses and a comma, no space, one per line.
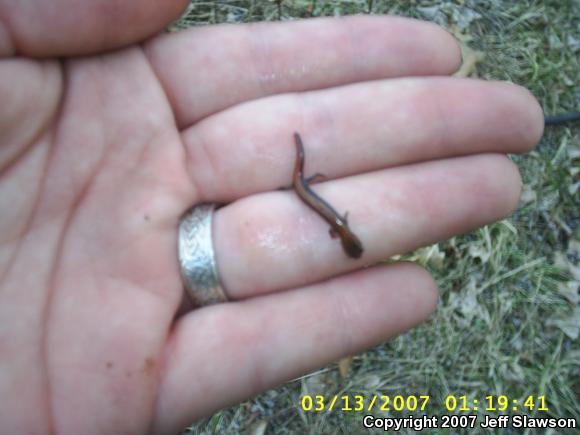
(100,156)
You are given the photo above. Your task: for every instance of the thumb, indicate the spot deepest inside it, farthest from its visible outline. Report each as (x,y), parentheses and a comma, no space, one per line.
(44,28)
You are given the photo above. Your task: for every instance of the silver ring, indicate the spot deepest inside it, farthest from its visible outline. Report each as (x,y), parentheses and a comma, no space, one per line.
(196,256)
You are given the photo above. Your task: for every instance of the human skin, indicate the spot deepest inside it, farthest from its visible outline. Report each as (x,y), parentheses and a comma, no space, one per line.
(108,134)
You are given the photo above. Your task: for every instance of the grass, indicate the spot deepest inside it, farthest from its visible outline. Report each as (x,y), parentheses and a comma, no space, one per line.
(509,316)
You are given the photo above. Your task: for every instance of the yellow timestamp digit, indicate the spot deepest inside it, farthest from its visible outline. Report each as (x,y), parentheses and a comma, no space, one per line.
(359,403)
(463,406)
(399,403)
(542,406)
(386,400)
(490,406)
(450,403)
(503,403)
(345,400)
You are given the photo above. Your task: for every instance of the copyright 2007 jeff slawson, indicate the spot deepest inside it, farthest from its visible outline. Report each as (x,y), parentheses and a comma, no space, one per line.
(467,421)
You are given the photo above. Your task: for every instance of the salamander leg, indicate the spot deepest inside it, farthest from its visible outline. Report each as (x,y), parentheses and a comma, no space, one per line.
(316,178)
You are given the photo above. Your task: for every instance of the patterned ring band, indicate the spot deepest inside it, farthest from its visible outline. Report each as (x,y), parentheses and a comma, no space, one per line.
(196,256)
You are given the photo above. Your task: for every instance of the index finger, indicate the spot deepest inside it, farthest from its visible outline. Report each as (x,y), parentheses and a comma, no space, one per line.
(208,69)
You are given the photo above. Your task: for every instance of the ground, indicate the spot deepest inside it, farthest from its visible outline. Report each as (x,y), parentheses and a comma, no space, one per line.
(508,320)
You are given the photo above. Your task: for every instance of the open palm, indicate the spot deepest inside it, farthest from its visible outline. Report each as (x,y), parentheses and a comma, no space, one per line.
(100,155)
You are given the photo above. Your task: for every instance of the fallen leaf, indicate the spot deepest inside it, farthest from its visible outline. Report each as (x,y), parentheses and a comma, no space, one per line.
(528,194)
(570,325)
(344,366)
(471,58)
(258,428)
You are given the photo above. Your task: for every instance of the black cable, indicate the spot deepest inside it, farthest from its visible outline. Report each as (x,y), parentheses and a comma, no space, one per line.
(562,118)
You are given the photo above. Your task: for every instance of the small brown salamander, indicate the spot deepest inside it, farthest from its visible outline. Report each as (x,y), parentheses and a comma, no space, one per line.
(350,243)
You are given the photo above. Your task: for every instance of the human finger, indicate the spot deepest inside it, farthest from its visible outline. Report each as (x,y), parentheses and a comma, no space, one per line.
(208,69)
(358,128)
(220,355)
(44,28)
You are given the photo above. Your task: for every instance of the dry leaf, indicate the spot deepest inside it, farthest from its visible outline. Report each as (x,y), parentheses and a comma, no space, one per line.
(570,325)
(471,58)
(431,255)
(569,290)
(528,194)
(344,366)
(258,428)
